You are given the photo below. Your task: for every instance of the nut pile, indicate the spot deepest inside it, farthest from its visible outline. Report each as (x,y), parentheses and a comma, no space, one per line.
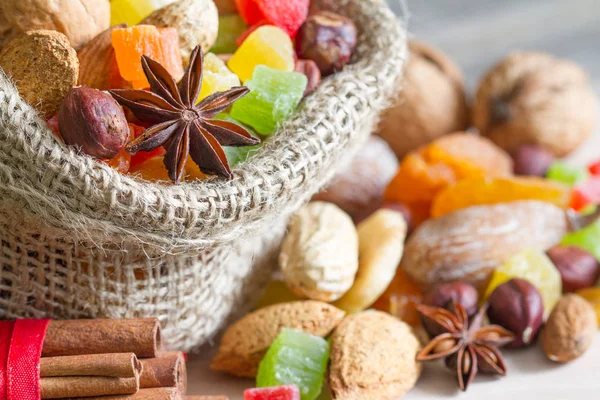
(111,79)
(470,242)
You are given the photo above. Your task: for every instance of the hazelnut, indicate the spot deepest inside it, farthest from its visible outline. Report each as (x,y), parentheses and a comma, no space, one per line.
(445,295)
(93,121)
(534,98)
(312,72)
(328,39)
(578,268)
(517,306)
(532,160)
(432,102)
(360,186)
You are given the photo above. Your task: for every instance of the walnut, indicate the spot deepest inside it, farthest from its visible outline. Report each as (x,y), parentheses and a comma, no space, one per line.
(534,98)
(431,103)
(79,20)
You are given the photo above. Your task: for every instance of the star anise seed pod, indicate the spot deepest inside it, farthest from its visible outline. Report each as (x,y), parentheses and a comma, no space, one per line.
(467,348)
(182,126)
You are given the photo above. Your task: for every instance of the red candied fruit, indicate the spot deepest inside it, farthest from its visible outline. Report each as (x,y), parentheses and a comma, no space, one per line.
(594,168)
(142,156)
(289,15)
(286,392)
(53,124)
(586,193)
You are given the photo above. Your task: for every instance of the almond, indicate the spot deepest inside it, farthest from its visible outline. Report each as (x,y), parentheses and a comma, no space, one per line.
(469,244)
(373,357)
(43,66)
(246,341)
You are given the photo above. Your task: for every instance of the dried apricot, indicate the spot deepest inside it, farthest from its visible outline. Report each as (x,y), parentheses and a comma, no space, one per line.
(427,171)
(479,191)
(400,299)
(152,170)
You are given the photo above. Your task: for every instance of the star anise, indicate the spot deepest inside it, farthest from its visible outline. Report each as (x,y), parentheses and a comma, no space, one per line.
(468,348)
(180,125)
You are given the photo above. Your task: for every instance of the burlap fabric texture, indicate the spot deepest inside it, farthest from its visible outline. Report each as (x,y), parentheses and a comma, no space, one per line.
(80,240)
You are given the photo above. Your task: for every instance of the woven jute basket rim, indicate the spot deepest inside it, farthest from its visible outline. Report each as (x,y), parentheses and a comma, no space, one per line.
(88,199)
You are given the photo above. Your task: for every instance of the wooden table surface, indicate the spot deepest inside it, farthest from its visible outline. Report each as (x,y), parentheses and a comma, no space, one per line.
(476,33)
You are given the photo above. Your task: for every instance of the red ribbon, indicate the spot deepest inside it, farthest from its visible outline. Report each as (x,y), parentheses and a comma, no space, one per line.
(21,345)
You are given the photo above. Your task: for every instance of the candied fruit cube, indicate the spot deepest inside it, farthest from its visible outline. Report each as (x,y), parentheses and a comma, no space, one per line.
(152,170)
(480,191)
(535,267)
(296,358)
(161,45)
(131,12)
(143,156)
(268,45)
(285,392)
(401,298)
(567,174)
(230,28)
(594,168)
(587,238)
(216,77)
(426,172)
(273,97)
(586,193)
(289,15)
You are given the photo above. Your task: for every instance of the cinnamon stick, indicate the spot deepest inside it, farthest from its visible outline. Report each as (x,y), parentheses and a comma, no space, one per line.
(100,336)
(166,370)
(143,394)
(61,387)
(118,365)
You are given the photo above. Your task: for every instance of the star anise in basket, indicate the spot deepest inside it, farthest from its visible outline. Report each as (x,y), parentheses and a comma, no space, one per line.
(183,127)
(466,347)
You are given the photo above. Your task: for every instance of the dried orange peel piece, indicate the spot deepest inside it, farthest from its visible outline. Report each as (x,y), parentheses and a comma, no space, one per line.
(480,191)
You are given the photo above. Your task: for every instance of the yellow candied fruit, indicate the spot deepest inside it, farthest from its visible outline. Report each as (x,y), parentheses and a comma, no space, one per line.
(592,295)
(216,76)
(268,45)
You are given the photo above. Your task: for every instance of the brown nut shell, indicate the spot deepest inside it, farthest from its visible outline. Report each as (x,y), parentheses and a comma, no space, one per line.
(246,341)
(532,160)
(517,306)
(373,357)
(360,186)
(469,244)
(93,121)
(534,98)
(570,329)
(43,66)
(431,101)
(79,20)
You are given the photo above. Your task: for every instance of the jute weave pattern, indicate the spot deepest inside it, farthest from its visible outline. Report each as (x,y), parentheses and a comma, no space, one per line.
(80,240)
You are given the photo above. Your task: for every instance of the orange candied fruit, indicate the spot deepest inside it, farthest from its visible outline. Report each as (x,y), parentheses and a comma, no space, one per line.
(401,298)
(426,172)
(120,162)
(154,170)
(160,44)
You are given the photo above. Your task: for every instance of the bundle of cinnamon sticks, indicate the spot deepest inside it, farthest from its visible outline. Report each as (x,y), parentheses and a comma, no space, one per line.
(109,359)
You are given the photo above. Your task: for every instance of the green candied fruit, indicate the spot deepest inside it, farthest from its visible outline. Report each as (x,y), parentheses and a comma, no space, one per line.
(238,155)
(273,97)
(587,238)
(296,358)
(231,28)
(567,174)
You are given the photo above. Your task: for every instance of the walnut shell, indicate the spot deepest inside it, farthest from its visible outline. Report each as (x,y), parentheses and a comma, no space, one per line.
(44,67)
(79,20)
(319,255)
(246,341)
(468,244)
(362,183)
(534,98)
(431,102)
(373,357)
(570,329)
(197,22)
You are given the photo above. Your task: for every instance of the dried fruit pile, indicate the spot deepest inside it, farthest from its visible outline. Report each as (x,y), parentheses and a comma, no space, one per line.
(468,242)
(157,91)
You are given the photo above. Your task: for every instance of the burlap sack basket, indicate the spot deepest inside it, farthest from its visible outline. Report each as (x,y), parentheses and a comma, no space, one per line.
(80,240)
